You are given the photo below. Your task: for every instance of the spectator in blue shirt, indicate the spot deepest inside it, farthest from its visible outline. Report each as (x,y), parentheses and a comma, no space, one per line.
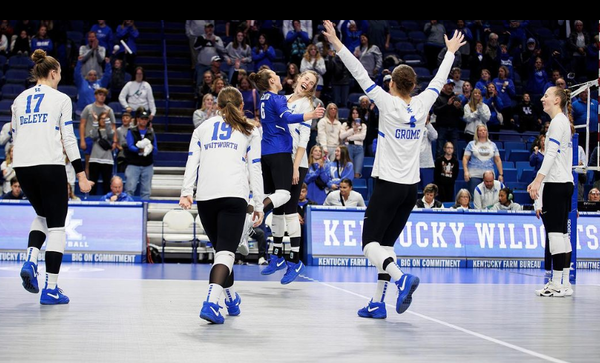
(580,118)
(116,193)
(104,34)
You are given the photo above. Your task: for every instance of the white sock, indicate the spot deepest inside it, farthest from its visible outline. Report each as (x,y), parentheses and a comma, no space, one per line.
(51,280)
(557,278)
(229,294)
(214,293)
(382,286)
(32,254)
(565,277)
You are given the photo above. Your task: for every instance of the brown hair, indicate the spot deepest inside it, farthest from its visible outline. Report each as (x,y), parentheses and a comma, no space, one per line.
(344,157)
(430,188)
(306,93)
(229,102)
(310,157)
(472,103)
(261,79)
(405,79)
(43,64)
(565,104)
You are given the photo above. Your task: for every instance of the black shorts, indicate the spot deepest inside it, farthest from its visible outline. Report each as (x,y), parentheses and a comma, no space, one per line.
(556,205)
(277,171)
(46,188)
(388,211)
(223,221)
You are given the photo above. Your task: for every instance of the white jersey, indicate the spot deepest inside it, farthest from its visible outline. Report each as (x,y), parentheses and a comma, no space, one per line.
(41,124)
(558,157)
(400,125)
(222,160)
(300,131)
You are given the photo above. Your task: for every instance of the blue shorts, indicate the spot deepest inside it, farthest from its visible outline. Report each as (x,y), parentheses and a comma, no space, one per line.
(89,143)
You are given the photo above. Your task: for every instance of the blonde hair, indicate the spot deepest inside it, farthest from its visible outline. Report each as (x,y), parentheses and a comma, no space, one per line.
(565,104)
(472,103)
(476,135)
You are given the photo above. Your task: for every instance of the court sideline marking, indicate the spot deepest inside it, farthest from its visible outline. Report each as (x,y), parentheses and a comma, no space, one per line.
(452,326)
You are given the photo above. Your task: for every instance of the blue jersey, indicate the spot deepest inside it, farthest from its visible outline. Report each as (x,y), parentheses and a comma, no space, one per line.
(274,117)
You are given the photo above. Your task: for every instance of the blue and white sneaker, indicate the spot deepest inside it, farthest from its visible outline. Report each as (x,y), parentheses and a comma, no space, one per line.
(29,276)
(293,270)
(275,264)
(406,287)
(375,310)
(53,297)
(210,312)
(233,307)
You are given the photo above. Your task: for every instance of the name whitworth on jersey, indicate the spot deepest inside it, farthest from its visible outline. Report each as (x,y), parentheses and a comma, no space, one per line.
(33,118)
(221,144)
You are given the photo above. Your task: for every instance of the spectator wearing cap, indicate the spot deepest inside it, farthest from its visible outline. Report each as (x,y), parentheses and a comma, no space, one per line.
(215,69)
(140,151)
(208,46)
(138,93)
(449,112)
(386,82)
(88,84)
(89,119)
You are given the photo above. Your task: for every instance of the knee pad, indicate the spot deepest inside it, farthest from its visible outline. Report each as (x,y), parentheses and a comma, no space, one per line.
(557,243)
(225,258)
(293,225)
(57,238)
(390,251)
(280,197)
(39,224)
(278,225)
(567,241)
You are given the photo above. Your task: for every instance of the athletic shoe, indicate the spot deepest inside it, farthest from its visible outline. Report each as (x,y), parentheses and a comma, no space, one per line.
(53,297)
(29,276)
(293,270)
(551,290)
(375,310)
(568,288)
(406,287)
(275,264)
(210,312)
(243,247)
(233,307)
(262,261)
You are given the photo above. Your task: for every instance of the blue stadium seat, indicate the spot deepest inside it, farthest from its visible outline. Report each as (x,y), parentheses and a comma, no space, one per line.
(359,182)
(417,36)
(465,74)
(69,90)
(20,62)
(363,190)
(405,47)
(18,76)
(526,175)
(11,90)
(398,35)
(279,56)
(423,74)
(518,155)
(117,108)
(510,175)
(280,68)
(522,197)
(5,107)
(76,37)
(353,99)
(343,113)
(409,25)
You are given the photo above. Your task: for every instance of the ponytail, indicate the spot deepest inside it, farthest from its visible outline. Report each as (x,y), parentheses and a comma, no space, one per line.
(229,102)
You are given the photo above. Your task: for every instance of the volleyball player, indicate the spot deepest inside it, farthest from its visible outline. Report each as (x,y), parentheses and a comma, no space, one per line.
(217,156)
(277,146)
(41,124)
(557,177)
(396,166)
(300,102)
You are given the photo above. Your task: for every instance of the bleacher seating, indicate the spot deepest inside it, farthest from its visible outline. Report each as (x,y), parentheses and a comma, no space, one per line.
(18,76)
(519,155)
(353,99)
(11,90)
(343,113)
